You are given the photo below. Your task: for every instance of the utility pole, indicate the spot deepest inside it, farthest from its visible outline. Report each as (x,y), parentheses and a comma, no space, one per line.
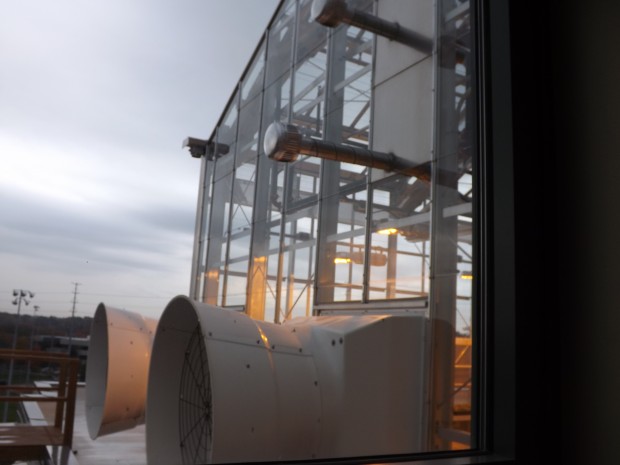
(75,293)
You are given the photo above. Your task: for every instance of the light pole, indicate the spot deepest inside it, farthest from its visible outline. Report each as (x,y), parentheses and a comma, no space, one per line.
(20,295)
(34,319)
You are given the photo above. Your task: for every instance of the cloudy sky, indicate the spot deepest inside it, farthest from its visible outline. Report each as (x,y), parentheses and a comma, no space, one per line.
(96,98)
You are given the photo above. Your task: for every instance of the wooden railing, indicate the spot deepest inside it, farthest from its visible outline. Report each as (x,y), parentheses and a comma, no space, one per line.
(27,441)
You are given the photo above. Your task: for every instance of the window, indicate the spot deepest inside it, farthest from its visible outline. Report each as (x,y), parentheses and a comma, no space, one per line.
(323,237)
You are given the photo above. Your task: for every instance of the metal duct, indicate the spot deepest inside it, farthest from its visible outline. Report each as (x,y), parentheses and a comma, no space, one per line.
(225,388)
(284,142)
(331,13)
(117,370)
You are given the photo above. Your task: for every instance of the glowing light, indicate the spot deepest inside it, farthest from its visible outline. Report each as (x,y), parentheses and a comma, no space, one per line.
(342,260)
(467,275)
(387,231)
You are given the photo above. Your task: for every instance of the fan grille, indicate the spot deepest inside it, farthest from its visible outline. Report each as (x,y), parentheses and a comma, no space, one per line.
(195,404)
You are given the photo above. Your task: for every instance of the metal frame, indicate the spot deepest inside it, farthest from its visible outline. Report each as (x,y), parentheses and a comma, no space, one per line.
(24,441)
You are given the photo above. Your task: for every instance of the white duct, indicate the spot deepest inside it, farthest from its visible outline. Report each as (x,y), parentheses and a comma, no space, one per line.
(117,370)
(225,388)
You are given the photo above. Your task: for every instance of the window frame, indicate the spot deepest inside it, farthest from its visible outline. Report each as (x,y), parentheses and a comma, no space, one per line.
(497,327)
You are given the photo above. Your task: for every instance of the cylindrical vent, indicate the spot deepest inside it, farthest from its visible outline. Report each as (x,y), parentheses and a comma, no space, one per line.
(117,370)
(224,388)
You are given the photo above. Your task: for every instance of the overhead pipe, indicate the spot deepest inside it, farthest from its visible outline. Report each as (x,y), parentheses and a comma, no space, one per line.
(331,13)
(284,142)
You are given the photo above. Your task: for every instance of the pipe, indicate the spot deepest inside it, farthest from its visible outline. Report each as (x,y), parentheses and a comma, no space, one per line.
(331,13)
(283,142)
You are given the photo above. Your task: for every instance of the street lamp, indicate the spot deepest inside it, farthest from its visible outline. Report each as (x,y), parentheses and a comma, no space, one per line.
(20,295)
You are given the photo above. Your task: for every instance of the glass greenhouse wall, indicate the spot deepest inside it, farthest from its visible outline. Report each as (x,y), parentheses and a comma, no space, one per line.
(316,237)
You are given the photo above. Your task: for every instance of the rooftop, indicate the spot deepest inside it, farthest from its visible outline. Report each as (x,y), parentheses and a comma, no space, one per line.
(127,447)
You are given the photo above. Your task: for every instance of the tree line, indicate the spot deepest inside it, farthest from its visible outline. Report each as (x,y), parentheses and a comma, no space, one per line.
(30,325)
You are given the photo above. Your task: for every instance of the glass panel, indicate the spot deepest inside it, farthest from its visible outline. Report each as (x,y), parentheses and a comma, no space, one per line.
(249,127)
(252,83)
(205,217)
(311,36)
(268,204)
(302,182)
(218,235)
(400,239)
(357,85)
(309,94)
(343,254)
(280,46)
(310,73)
(298,273)
(271,192)
(226,141)
(452,241)
(276,101)
(274,264)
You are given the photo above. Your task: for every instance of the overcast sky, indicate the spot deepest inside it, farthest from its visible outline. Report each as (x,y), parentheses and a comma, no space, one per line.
(96,98)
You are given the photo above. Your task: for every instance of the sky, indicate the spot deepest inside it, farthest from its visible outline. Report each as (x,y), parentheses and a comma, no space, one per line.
(96,98)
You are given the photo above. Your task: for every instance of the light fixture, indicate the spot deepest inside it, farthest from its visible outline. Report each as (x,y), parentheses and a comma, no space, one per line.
(203,148)
(387,231)
(467,275)
(341,260)
(21,295)
(357,258)
(284,142)
(331,13)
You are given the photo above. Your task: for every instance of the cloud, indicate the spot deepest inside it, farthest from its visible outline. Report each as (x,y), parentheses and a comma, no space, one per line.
(96,99)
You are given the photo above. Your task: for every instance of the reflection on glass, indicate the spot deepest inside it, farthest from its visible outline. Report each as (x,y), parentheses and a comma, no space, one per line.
(343,258)
(318,236)
(400,227)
